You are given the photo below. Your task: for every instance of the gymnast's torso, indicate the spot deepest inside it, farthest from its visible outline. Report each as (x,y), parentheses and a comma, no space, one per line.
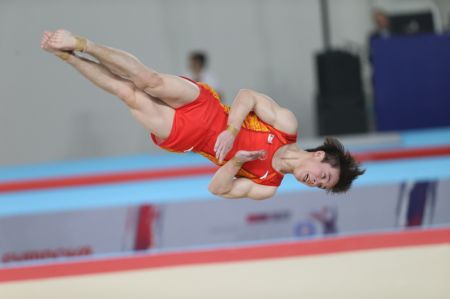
(196,126)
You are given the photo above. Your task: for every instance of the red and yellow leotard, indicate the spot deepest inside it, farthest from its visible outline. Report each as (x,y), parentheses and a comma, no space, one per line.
(196,127)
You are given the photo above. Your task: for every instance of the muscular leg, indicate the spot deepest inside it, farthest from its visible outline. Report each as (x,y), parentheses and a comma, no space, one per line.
(154,115)
(173,90)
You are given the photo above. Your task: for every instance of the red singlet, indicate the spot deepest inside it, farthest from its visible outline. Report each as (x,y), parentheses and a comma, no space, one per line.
(196,126)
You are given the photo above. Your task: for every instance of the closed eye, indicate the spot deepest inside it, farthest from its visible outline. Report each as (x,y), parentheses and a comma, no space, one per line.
(323,187)
(323,177)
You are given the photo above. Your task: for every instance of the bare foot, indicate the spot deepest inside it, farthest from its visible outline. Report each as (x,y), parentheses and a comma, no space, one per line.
(64,55)
(44,41)
(61,40)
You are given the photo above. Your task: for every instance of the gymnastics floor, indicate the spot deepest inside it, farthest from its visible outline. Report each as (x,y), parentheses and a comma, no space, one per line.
(402,265)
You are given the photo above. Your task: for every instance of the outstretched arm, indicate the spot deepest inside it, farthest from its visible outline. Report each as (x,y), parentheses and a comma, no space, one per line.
(226,185)
(264,107)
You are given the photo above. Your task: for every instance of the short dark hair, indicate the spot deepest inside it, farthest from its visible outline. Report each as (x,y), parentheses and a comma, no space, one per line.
(200,56)
(338,157)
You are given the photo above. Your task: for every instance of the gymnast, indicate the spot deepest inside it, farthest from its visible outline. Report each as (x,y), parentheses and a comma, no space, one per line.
(253,141)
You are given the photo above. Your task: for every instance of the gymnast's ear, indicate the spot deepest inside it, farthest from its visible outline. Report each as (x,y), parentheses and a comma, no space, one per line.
(319,155)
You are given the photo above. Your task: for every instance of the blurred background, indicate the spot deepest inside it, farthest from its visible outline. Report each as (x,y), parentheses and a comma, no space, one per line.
(80,180)
(50,113)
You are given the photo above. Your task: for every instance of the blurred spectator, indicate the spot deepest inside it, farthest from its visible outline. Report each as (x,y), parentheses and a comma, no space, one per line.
(382,24)
(198,70)
(382,30)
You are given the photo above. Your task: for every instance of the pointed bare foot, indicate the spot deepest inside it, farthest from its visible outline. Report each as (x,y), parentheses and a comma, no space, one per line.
(64,55)
(44,41)
(62,40)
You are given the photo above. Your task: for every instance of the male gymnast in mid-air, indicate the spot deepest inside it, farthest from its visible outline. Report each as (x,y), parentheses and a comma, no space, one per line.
(253,141)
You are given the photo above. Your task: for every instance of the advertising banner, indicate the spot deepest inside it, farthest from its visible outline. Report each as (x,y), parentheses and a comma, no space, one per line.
(67,234)
(300,214)
(296,215)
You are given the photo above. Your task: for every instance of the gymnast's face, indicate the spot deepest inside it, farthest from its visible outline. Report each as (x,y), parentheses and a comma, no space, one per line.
(315,173)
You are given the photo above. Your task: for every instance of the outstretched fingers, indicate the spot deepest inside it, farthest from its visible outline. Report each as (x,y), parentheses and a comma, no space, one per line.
(245,156)
(223,145)
(258,155)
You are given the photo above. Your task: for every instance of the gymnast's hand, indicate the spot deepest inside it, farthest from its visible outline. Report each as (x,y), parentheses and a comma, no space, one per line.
(224,144)
(246,156)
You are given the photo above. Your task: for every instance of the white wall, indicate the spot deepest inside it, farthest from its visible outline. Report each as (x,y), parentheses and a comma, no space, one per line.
(48,112)
(444,9)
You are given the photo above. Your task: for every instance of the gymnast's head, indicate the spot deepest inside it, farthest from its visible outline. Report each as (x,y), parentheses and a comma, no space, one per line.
(329,167)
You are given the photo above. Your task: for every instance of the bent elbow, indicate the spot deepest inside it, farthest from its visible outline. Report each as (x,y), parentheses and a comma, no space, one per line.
(246,98)
(245,92)
(214,190)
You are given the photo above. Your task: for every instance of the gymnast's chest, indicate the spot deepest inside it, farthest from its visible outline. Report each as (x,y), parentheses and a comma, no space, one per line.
(254,141)
(261,141)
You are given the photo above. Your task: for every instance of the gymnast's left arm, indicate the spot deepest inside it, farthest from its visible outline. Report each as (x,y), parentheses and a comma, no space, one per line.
(264,107)
(226,185)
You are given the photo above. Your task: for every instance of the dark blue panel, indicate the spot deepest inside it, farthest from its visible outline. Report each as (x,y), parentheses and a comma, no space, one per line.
(411,81)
